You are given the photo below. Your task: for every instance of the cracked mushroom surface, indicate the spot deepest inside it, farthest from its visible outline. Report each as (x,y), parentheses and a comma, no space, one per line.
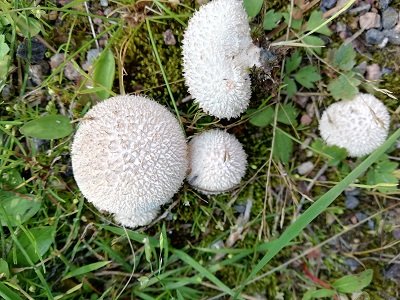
(218,53)
(129,156)
(217,162)
(359,125)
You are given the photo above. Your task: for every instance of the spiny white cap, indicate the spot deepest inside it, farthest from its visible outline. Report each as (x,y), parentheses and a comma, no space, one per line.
(217,162)
(359,125)
(217,54)
(129,156)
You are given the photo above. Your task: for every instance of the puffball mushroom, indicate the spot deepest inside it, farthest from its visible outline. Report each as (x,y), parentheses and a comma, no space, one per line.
(217,162)
(359,125)
(129,156)
(217,54)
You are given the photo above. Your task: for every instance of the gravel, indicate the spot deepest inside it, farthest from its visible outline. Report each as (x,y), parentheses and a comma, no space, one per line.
(389,18)
(374,37)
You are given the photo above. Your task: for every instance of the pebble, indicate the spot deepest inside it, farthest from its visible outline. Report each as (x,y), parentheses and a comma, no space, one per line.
(352,264)
(305,120)
(37,50)
(374,37)
(389,18)
(104,3)
(37,72)
(370,20)
(327,4)
(393,273)
(392,35)
(91,55)
(169,38)
(71,73)
(305,168)
(361,68)
(351,202)
(361,8)
(373,72)
(396,234)
(384,4)
(56,60)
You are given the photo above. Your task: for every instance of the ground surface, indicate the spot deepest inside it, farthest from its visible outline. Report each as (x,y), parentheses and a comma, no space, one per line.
(55,245)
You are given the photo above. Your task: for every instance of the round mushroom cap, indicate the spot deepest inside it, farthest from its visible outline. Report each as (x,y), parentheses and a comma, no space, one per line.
(129,156)
(217,54)
(217,162)
(359,125)
(139,219)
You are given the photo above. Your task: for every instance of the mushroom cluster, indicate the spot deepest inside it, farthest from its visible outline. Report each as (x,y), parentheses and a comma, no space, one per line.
(129,156)
(359,125)
(217,162)
(217,54)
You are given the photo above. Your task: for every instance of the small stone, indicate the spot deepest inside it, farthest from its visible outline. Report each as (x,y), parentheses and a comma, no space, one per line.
(384,4)
(52,15)
(169,38)
(7,92)
(389,18)
(396,234)
(240,208)
(352,264)
(37,72)
(361,216)
(393,273)
(384,43)
(71,73)
(340,27)
(97,21)
(104,3)
(327,4)
(301,100)
(392,35)
(33,52)
(370,20)
(351,202)
(386,71)
(374,37)
(56,60)
(373,72)
(305,120)
(91,55)
(363,7)
(305,168)
(361,68)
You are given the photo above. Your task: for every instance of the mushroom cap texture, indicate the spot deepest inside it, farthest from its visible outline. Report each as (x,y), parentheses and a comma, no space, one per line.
(217,162)
(359,125)
(129,156)
(217,54)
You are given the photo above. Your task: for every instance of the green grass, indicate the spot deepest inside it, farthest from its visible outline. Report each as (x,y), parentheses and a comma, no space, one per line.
(55,245)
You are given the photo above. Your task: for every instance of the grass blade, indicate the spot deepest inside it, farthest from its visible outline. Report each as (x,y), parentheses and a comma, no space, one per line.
(86,269)
(203,271)
(319,207)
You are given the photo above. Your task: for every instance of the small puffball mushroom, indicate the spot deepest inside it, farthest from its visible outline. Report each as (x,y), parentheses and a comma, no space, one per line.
(217,162)
(217,54)
(359,125)
(129,156)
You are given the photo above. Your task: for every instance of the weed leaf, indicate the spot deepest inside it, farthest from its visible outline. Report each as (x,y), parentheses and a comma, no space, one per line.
(48,127)
(353,283)
(344,57)
(36,242)
(283,147)
(103,73)
(383,172)
(4,270)
(252,7)
(306,76)
(291,87)
(287,114)
(271,19)
(19,208)
(322,293)
(263,118)
(315,20)
(313,40)
(293,62)
(344,87)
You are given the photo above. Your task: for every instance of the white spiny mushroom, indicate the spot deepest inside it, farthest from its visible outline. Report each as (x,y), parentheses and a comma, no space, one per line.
(129,156)
(217,162)
(217,55)
(359,125)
